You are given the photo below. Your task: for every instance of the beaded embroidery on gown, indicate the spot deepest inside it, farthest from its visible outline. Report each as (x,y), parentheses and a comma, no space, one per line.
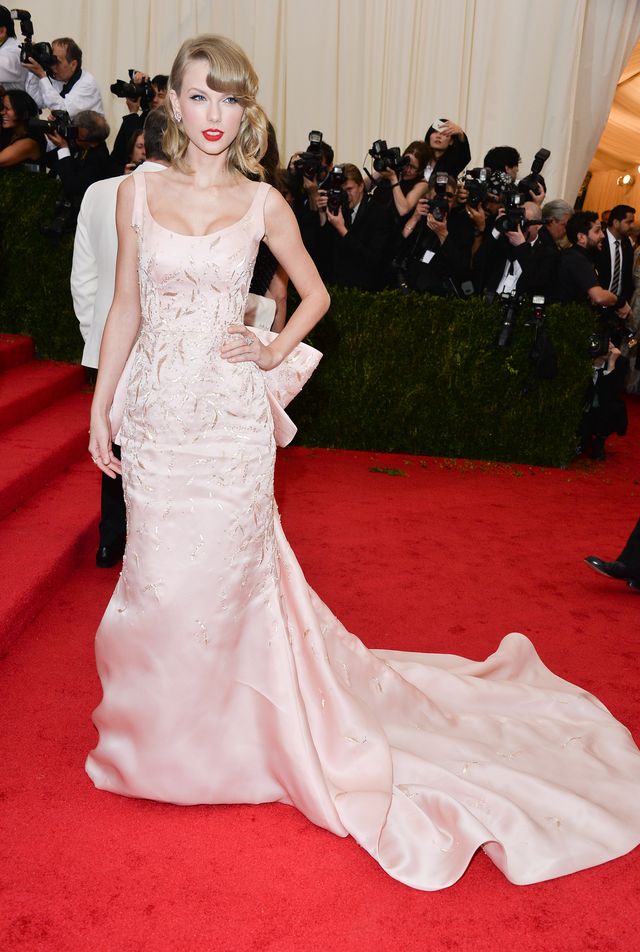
(227,680)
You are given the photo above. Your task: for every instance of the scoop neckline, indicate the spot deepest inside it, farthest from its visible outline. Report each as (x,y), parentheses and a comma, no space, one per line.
(209,234)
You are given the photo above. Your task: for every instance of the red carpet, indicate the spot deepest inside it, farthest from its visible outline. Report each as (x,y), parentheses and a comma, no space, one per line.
(448,557)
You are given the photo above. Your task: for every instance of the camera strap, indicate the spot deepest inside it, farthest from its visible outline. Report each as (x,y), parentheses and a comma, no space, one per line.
(68,86)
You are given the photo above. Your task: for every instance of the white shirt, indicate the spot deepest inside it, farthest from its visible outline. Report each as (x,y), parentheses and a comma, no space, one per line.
(13,75)
(83,95)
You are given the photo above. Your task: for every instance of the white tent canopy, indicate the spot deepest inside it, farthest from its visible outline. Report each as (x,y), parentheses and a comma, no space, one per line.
(528,73)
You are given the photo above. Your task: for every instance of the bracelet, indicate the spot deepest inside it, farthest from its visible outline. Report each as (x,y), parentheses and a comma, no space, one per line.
(395,185)
(477,232)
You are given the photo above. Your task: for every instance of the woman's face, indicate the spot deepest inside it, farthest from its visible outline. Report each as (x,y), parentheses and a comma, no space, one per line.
(211,119)
(410,171)
(9,120)
(439,141)
(137,153)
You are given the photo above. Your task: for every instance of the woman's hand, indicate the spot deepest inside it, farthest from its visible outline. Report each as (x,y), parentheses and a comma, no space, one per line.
(451,129)
(100,445)
(248,347)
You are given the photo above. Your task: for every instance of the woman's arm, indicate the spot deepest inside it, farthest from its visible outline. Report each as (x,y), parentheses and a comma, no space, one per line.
(120,332)
(277,291)
(283,238)
(20,151)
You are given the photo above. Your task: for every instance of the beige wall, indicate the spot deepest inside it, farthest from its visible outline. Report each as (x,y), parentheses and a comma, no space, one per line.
(520,72)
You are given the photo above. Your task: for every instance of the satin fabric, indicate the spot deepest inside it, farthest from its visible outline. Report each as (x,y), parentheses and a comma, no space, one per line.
(227,680)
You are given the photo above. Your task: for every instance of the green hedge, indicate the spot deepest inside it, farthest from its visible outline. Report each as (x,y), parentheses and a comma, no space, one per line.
(419,374)
(34,293)
(410,374)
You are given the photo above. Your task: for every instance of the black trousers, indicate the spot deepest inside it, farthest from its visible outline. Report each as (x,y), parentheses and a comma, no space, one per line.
(630,555)
(113,517)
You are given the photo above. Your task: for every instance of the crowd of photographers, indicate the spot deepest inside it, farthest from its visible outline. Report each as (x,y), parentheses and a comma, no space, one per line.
(420,219)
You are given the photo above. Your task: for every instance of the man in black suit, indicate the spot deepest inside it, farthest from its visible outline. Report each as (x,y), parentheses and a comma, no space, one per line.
(355,242)
(615,258)
(518,259)
(577,277)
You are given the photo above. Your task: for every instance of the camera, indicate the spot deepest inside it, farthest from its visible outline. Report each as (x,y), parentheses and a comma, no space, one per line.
(59,122)
(475,183)
(142,91)
(438,205)
(336,196)
(533,181)
(386,159)
(41,53)
(309,164)
(598,345)
(513,217)
(511,302)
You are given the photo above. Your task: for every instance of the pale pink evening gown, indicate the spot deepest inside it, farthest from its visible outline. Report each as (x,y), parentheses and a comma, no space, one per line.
(227,680)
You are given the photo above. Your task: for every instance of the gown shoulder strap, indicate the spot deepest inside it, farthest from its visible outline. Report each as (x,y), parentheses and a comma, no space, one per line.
(139,200)
(259,202)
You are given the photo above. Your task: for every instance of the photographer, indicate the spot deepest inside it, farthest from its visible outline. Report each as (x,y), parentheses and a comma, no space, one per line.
(577,277)
(354,235)
(69,87)
(435,250)
(605,411)
(83,160)
(514,258)
(402,182)
(555,215)
(12,75)
(151,93)
(306,170)
(506,159)
(448,147)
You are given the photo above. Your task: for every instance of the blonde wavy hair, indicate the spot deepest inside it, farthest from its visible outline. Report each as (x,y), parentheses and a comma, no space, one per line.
(230,72)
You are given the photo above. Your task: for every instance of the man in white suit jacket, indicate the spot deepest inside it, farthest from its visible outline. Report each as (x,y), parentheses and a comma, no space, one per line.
(92,285)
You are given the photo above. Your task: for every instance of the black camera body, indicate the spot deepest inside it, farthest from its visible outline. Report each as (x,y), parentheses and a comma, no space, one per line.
(336,196)
(598,345)
(386,159)
(309,164)
(142,91)
(533,181)
(59,122)
(438,205)
(475,183)
(41,53)
(514,217)
(511,303)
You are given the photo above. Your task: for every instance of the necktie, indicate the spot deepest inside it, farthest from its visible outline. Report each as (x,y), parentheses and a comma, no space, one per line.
(615,279)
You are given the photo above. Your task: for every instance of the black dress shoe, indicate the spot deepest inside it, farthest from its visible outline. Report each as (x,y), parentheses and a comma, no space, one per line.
(613,569)
(597,448)
(109,555)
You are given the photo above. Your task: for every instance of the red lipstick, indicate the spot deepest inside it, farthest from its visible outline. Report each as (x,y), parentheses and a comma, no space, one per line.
(212,135)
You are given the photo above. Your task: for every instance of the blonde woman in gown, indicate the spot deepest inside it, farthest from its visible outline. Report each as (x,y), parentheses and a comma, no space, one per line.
(225,678)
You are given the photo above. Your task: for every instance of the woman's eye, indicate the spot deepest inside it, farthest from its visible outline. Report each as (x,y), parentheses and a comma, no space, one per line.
(231,99)
(197,97)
